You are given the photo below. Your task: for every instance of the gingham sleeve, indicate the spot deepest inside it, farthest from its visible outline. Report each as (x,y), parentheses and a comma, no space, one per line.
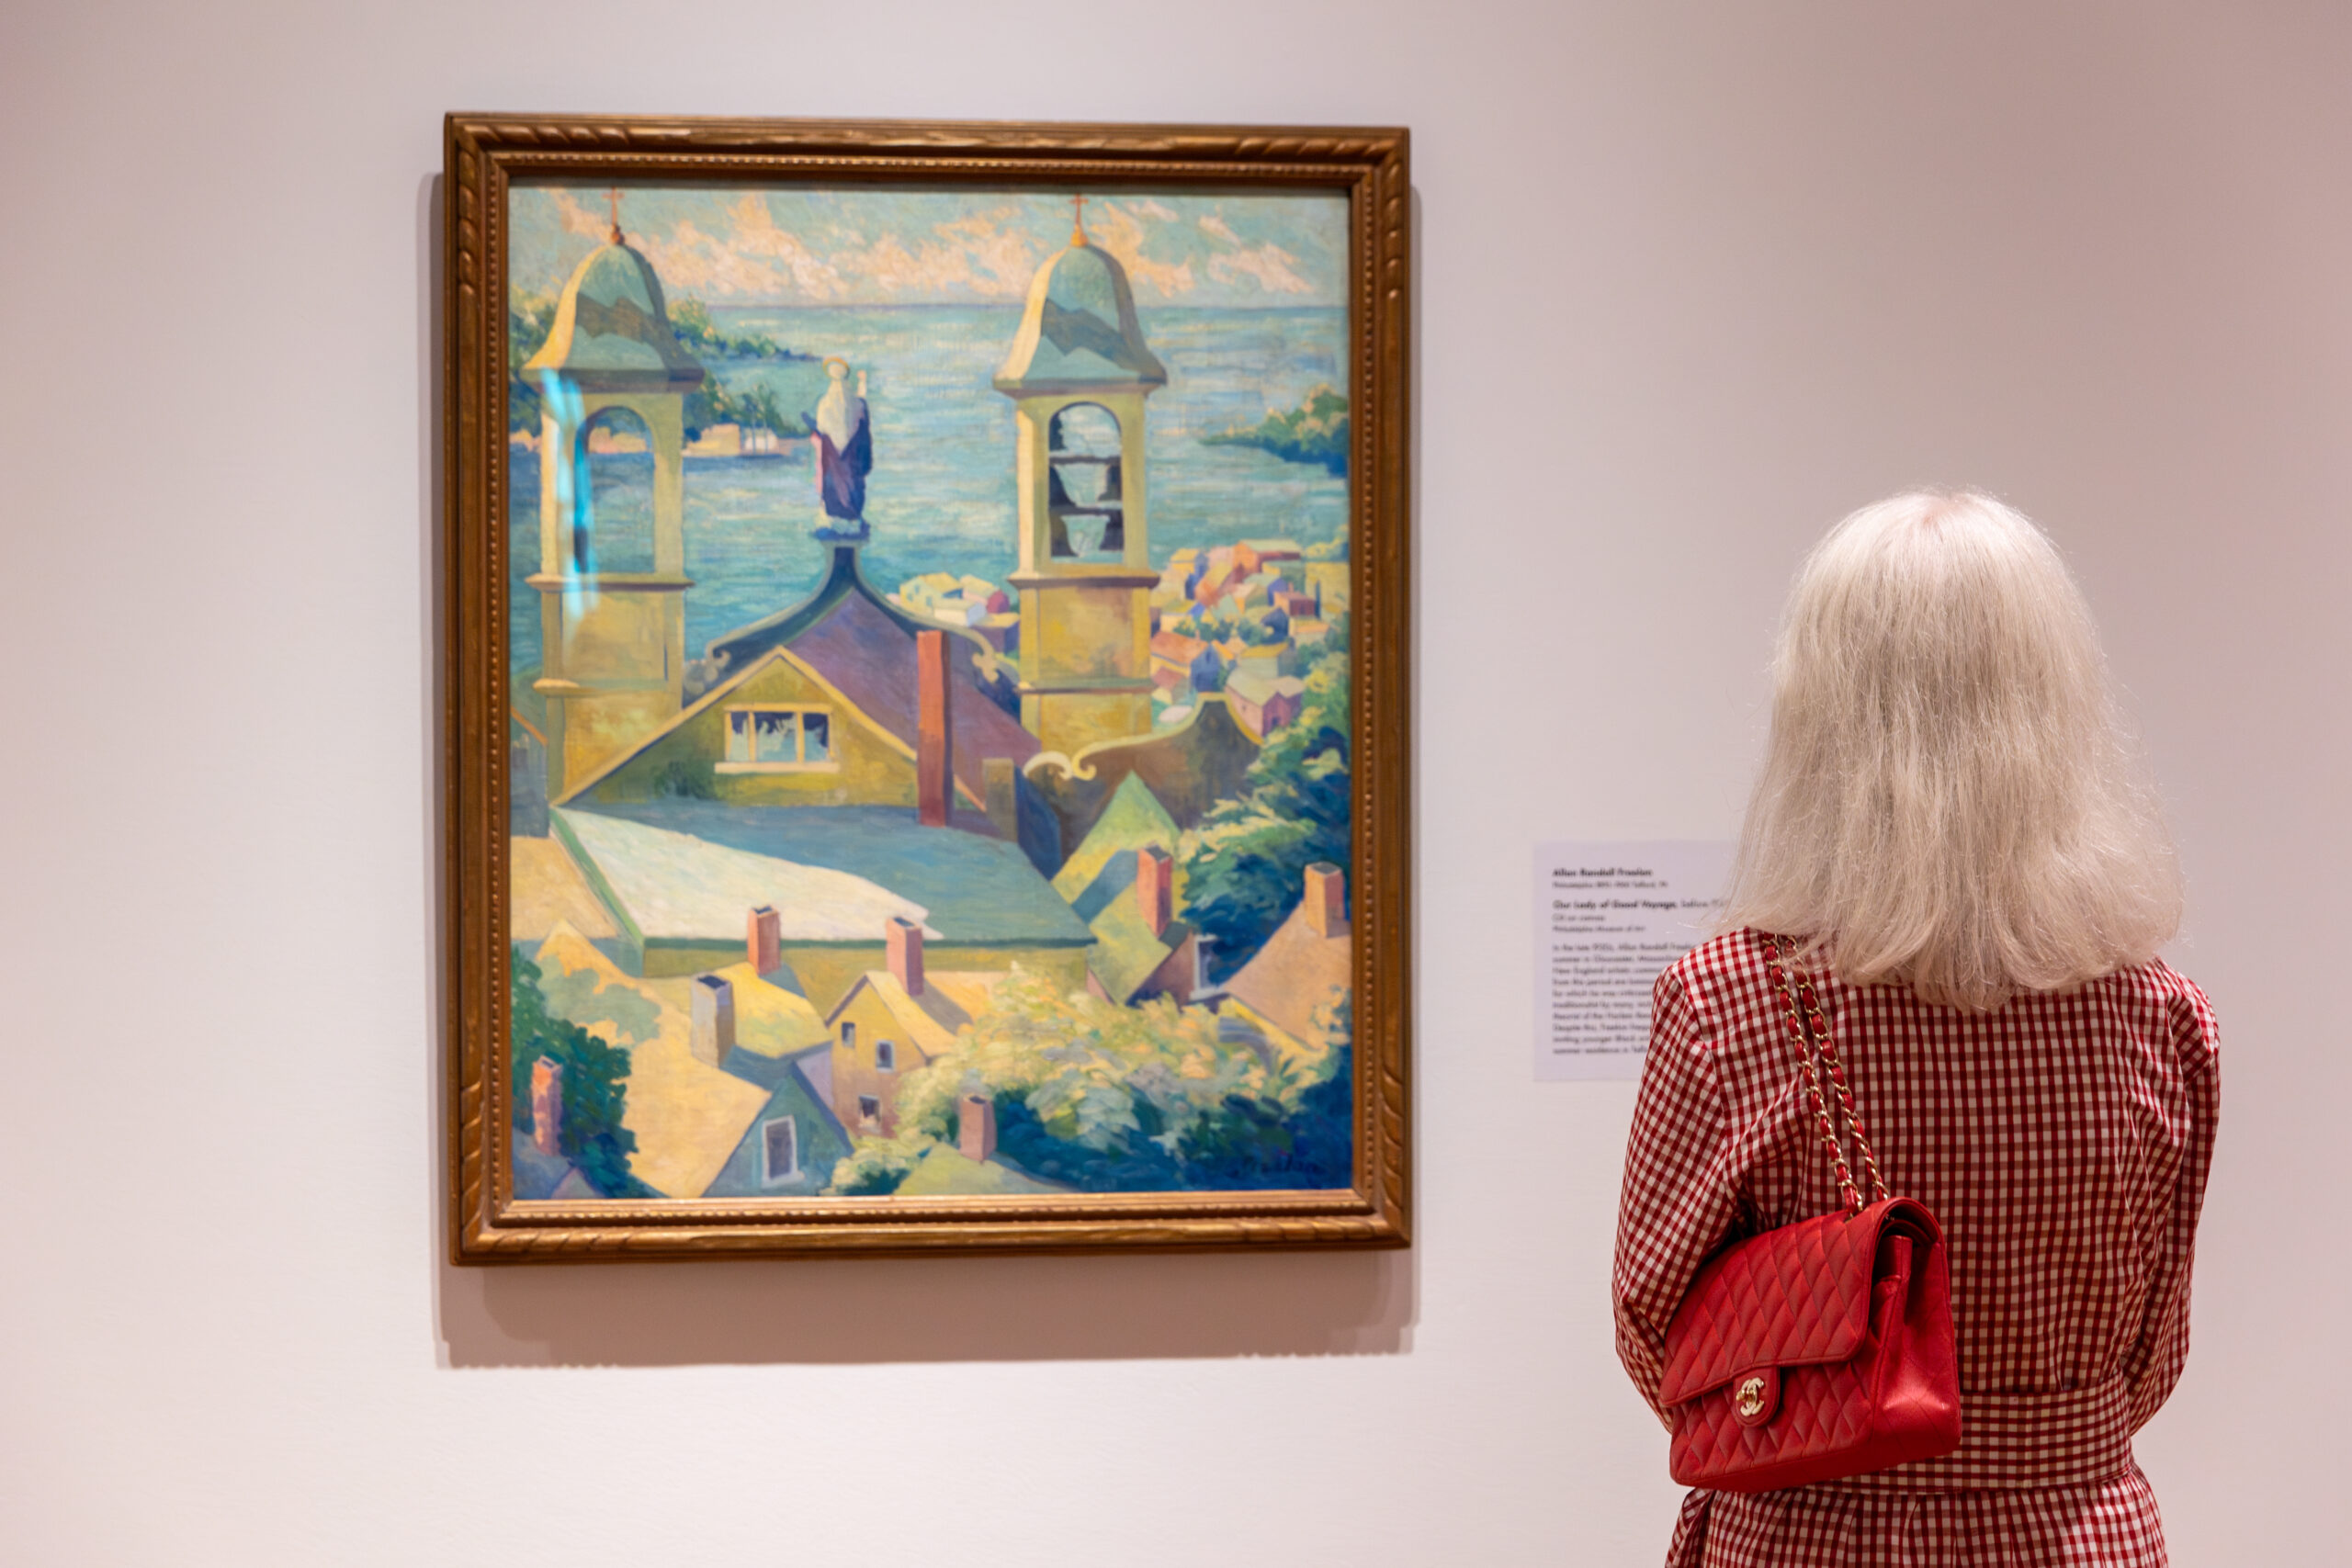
(2152,1366)
(1680,1199)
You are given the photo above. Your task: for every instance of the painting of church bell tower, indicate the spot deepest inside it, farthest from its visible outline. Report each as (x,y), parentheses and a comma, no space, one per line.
(1078,373)
(613,380)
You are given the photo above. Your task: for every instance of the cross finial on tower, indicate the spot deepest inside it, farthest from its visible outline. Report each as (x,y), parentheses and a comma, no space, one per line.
(1078,220)
(614,196)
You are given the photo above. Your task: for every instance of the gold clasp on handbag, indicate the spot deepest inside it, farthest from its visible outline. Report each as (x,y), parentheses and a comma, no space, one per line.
(1749,1400)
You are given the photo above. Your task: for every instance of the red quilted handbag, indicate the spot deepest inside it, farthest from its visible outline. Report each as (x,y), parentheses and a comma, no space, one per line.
(1823,1349)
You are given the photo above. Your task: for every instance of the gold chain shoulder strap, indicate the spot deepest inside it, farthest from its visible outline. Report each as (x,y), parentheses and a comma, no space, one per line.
(1809,1032)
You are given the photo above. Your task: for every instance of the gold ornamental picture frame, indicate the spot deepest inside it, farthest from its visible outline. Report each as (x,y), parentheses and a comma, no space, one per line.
(1018,858)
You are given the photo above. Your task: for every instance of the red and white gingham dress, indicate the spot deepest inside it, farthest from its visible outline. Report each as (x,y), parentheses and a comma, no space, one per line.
(2062,1142)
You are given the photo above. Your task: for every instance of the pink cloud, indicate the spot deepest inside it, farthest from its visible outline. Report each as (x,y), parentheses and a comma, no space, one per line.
(1274,269)
(1116,231)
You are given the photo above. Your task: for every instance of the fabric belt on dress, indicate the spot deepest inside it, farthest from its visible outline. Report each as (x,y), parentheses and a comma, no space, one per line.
(2073,1438)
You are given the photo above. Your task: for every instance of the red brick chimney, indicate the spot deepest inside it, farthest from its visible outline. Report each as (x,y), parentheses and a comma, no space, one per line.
(934,735)
(1326,904)
(1155,887)
(762,938)
(905,937)
(547,1106)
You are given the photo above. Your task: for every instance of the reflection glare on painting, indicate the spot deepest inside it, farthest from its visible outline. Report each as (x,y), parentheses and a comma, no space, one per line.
(930,735)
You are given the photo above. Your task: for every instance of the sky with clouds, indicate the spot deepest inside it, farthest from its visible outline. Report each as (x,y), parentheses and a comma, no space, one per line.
(798,247)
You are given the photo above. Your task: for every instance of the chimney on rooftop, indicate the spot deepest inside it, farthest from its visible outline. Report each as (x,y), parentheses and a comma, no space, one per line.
(547,1106)
(905,937)
(1326,904)
(976,1127)
(712,1036)
(1155,887)
(764,939)
(935,737)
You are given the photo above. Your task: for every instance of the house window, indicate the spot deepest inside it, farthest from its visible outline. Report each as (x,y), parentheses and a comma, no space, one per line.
(870,1108)
(849,1035)
(776,739)
(886,1056)
(780,1145)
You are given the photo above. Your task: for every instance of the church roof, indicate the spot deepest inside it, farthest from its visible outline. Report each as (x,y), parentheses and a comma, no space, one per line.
(612,328)
(865,649)
(1079,331)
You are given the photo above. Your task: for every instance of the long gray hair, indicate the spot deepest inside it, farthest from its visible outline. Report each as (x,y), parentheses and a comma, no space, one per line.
(1949,798)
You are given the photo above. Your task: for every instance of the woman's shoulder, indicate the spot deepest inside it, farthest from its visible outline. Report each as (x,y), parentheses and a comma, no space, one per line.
(1721,978)
(1730,957)
(2175,1006)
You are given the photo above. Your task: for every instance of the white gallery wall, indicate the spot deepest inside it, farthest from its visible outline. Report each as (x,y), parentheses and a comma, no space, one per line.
(1694,280)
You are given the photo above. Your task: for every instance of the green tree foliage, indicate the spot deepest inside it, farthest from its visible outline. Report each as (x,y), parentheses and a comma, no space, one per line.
(581,996)
(690,322)
(595,1087)
(1333,548)
(530,319)
(714,402)
(1308,1140)
(1100,1096)
(1315,432)
(682,780)
(1243,867)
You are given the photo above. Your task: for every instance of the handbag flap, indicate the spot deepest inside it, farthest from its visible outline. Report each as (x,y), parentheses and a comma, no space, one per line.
(1796,1296)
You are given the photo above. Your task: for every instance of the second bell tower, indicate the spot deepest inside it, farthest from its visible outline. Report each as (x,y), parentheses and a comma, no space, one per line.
(1077,374)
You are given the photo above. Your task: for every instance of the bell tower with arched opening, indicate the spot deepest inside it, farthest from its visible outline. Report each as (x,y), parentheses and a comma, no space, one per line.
(1078,376)
(613,381)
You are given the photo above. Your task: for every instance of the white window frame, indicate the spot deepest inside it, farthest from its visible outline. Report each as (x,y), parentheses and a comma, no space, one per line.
(769,1174)
(802,713)
(885,1055)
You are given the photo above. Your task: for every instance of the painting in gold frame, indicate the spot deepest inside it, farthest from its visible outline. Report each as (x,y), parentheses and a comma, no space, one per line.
(926,687)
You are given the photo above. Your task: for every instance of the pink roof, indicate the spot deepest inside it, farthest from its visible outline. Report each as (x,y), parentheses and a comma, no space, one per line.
(872,659)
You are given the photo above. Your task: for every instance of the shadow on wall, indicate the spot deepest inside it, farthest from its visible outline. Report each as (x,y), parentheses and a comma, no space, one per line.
(971,1309)
(968,1309)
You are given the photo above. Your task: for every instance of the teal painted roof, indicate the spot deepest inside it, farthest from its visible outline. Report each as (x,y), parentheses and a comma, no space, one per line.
(1126,954)
(1079,331)
(859,864)
(612,328)
(1103,868)
(820,1140)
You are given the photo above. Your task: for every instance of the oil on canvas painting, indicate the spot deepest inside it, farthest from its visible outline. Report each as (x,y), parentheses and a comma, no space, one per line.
(929,742)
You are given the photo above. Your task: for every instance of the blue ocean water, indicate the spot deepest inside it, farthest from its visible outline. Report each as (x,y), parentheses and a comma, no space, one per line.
(940,496)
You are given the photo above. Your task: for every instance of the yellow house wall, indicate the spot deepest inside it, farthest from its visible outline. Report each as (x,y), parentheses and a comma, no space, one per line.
(599,726)
(827,972)
(869,767)
(855,1072)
